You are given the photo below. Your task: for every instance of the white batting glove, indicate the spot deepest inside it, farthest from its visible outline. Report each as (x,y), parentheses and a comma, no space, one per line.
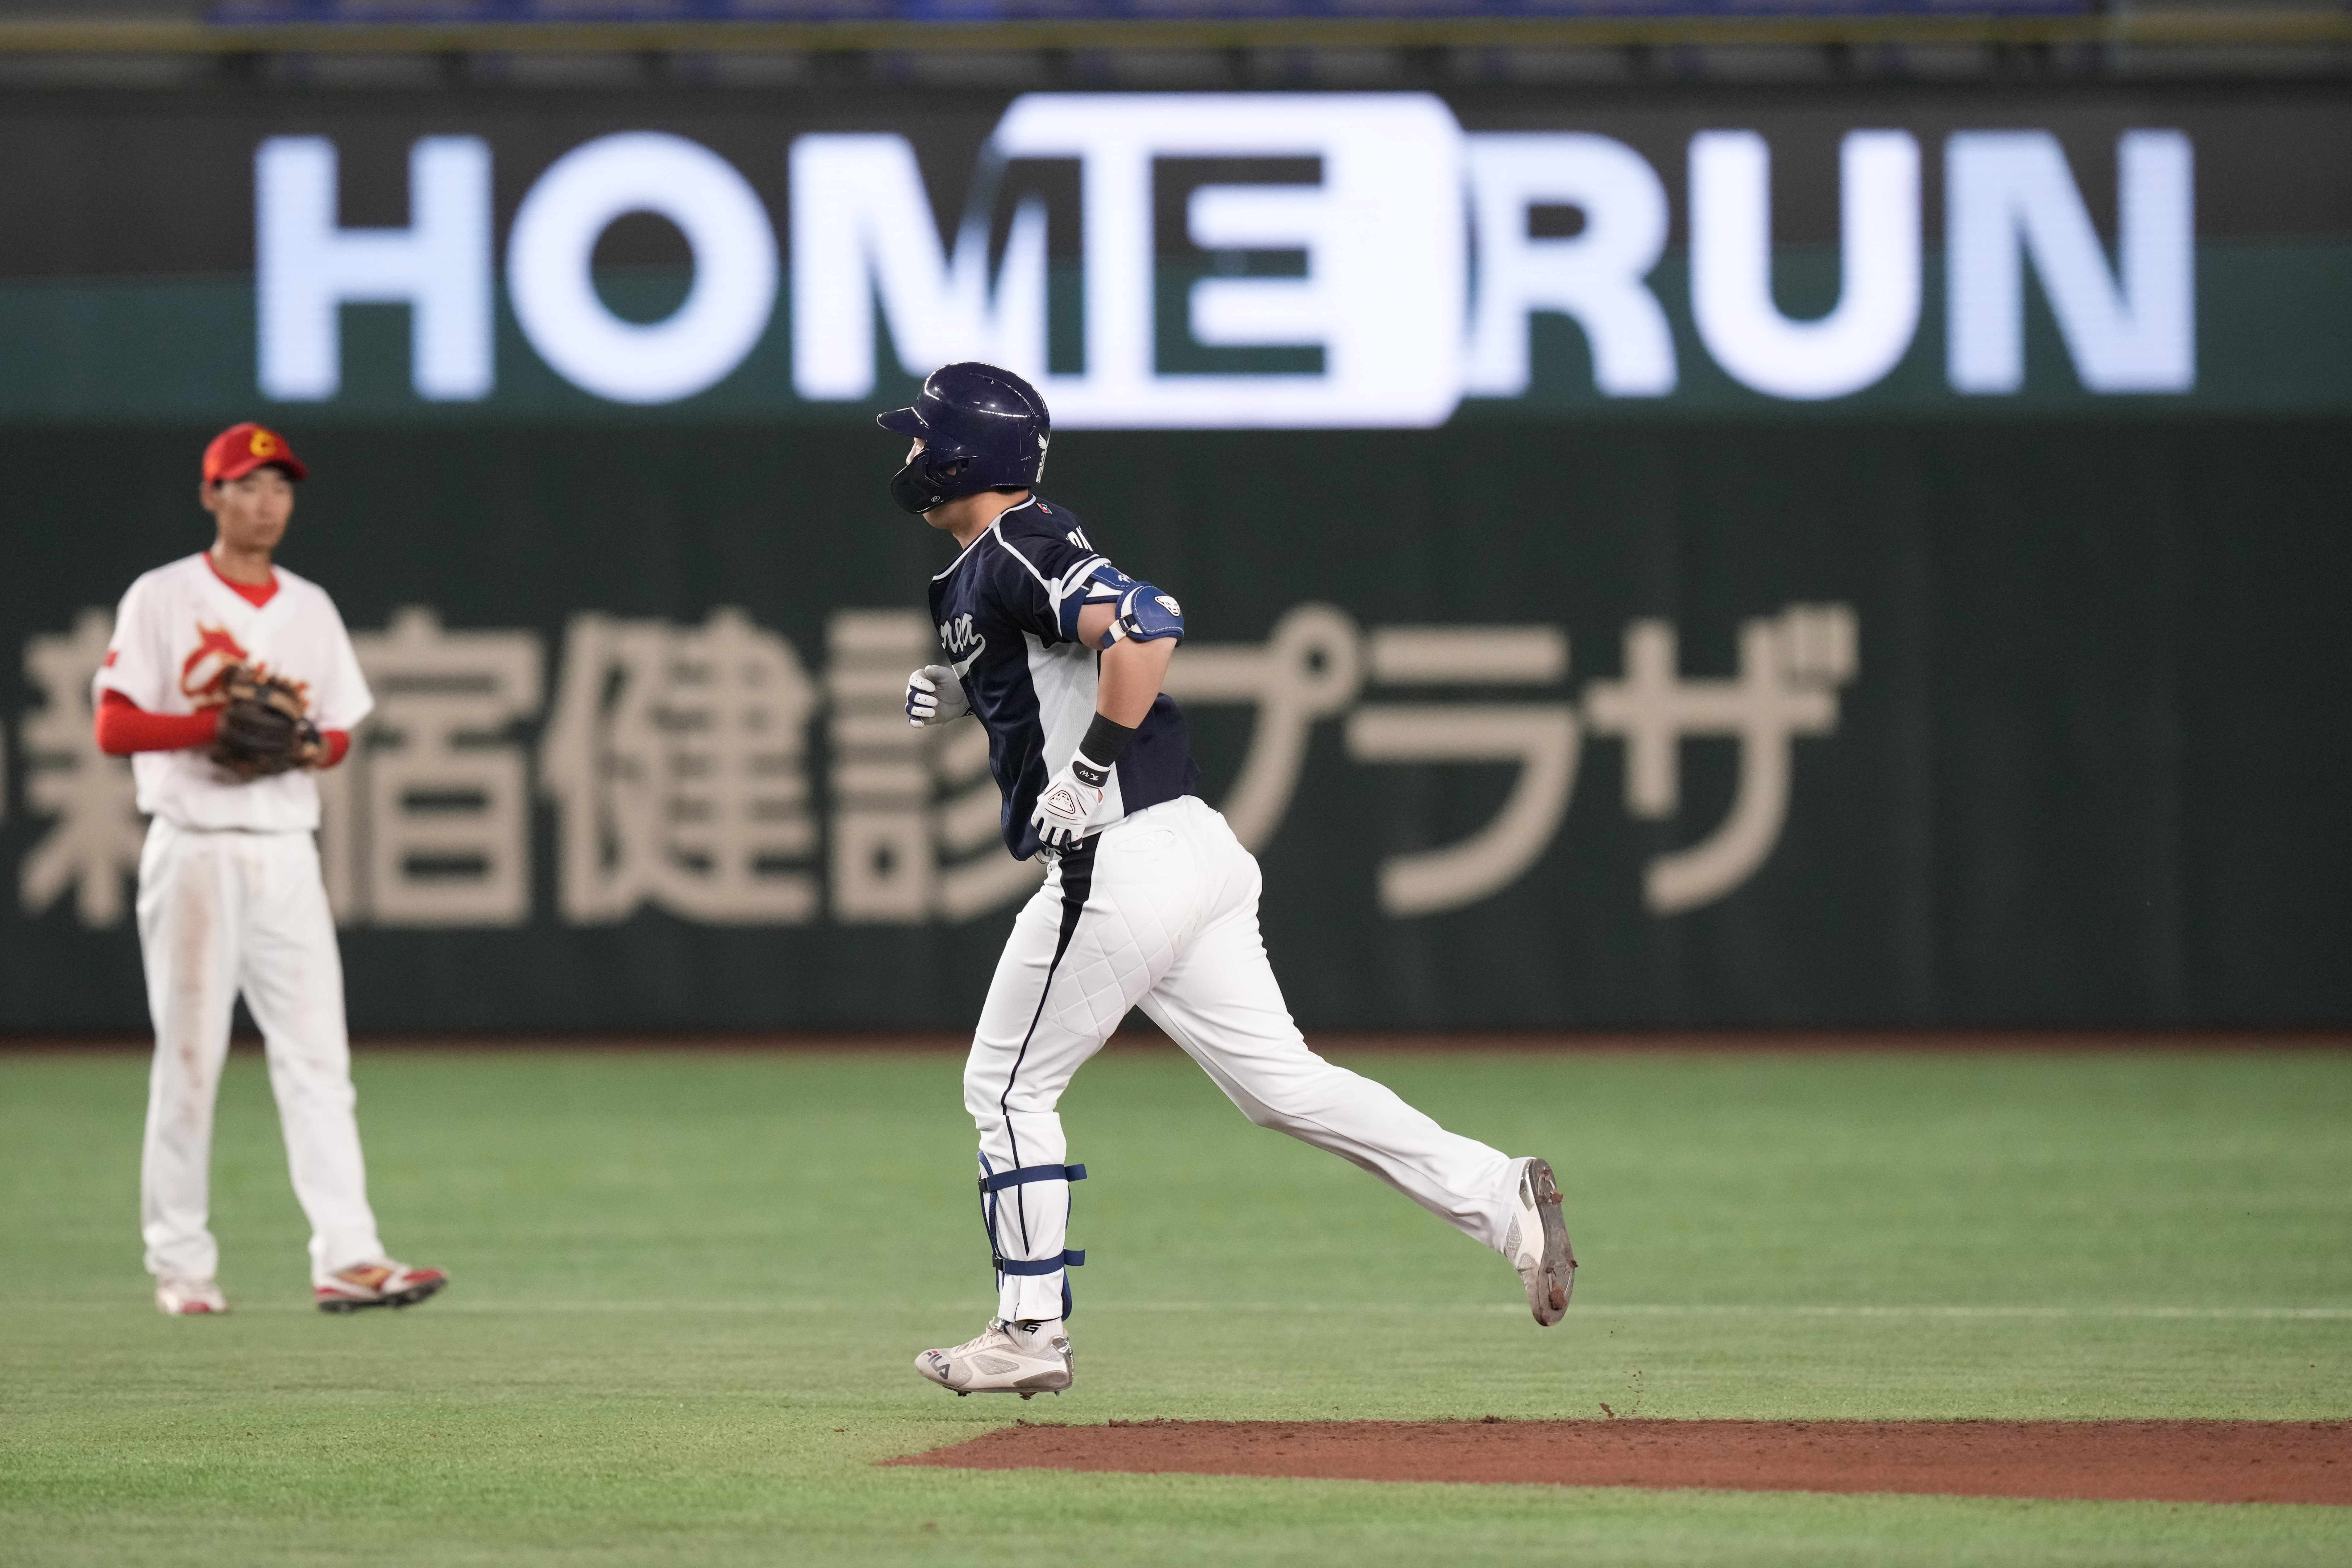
(934,696)
(1064,808)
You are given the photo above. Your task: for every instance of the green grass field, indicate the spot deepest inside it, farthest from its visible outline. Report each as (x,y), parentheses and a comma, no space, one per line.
(689,1286)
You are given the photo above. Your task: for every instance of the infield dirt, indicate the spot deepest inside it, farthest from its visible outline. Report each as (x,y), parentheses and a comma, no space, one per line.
(2155,1461)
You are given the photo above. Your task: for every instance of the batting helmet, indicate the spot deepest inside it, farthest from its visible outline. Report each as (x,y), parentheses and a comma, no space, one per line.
(983,429)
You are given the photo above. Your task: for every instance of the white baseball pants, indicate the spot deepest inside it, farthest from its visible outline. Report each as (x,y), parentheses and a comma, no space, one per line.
(1162,913)
(221,912)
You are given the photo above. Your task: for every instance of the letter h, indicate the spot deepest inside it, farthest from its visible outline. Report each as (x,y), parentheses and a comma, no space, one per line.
(306,268)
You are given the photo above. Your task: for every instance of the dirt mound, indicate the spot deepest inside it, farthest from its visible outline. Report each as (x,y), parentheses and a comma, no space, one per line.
(2158,1461)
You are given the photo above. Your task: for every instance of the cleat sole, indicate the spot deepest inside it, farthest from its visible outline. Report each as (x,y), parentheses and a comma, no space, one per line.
(397,1300)
(1555,1280)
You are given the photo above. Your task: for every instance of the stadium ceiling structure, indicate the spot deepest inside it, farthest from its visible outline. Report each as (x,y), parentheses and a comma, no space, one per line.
(1144,43)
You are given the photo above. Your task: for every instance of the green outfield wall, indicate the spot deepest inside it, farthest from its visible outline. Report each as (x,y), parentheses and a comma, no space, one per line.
(1638,678)
(2084,765)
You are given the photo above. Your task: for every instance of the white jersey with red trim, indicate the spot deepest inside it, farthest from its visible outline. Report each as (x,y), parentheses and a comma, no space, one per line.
(177,631)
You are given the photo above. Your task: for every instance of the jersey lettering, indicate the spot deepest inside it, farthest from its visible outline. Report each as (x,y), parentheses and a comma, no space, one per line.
(961,644)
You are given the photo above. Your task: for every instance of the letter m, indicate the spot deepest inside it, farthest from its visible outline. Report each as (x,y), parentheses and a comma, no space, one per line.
(862,228)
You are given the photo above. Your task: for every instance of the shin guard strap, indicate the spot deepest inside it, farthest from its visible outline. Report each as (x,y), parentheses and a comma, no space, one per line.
(997,1180)
(1071,1257)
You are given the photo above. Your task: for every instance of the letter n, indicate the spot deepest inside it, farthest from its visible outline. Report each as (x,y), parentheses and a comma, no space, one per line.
(2009,195)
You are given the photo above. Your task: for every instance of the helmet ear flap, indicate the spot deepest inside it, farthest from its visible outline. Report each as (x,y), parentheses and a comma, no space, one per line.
(926,481)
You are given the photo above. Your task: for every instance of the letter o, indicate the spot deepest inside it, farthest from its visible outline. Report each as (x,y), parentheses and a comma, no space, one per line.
(554,238)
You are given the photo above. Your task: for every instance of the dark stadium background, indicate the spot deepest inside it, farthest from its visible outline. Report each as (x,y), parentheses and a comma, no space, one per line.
(2087,773)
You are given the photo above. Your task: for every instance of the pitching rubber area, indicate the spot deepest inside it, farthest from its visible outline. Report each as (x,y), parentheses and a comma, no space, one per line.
(2153,1461)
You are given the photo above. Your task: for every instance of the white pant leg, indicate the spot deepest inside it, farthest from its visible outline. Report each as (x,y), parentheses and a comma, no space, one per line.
(189,936)
(292,976)
(1083,950)
(1221,1002)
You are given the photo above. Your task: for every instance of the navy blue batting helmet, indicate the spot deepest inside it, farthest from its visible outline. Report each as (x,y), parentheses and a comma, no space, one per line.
(983,429)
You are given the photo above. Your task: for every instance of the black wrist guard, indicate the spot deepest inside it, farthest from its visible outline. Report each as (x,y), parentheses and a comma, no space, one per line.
(1106,742)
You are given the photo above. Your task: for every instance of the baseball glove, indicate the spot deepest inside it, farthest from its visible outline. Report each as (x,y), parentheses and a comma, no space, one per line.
(263,730)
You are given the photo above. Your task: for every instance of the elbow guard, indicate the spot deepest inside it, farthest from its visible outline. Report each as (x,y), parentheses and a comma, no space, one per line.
(1145,614)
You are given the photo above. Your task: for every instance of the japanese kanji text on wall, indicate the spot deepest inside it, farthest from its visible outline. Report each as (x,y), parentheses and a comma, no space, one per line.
(1618,726)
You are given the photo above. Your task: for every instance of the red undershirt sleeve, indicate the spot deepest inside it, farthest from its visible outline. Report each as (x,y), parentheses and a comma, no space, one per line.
(124,727)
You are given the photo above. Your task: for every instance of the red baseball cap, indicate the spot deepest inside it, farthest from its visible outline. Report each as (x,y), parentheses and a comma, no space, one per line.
(241,448)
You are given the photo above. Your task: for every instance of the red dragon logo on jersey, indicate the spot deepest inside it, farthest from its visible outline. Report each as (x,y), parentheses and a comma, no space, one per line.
(217,651)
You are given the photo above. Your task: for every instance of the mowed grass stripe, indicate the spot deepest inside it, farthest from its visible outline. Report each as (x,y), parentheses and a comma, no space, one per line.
(526,1306)
(689,1287)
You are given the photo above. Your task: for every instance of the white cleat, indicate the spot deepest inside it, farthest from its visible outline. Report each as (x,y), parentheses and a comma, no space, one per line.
(1537,1244)
(1007,1358)
(189,1298)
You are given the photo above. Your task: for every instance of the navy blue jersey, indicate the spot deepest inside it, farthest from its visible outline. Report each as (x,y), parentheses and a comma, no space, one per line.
(1008,617)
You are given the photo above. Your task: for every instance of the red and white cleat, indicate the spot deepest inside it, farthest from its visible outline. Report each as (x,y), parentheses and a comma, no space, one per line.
(385,1284)
(189,1298)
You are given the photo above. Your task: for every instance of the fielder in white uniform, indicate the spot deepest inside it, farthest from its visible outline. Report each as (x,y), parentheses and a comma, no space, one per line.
(1150,902)
(230,899)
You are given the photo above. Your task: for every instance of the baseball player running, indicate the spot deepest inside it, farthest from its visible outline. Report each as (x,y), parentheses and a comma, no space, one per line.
(227,681)
(1150,902)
